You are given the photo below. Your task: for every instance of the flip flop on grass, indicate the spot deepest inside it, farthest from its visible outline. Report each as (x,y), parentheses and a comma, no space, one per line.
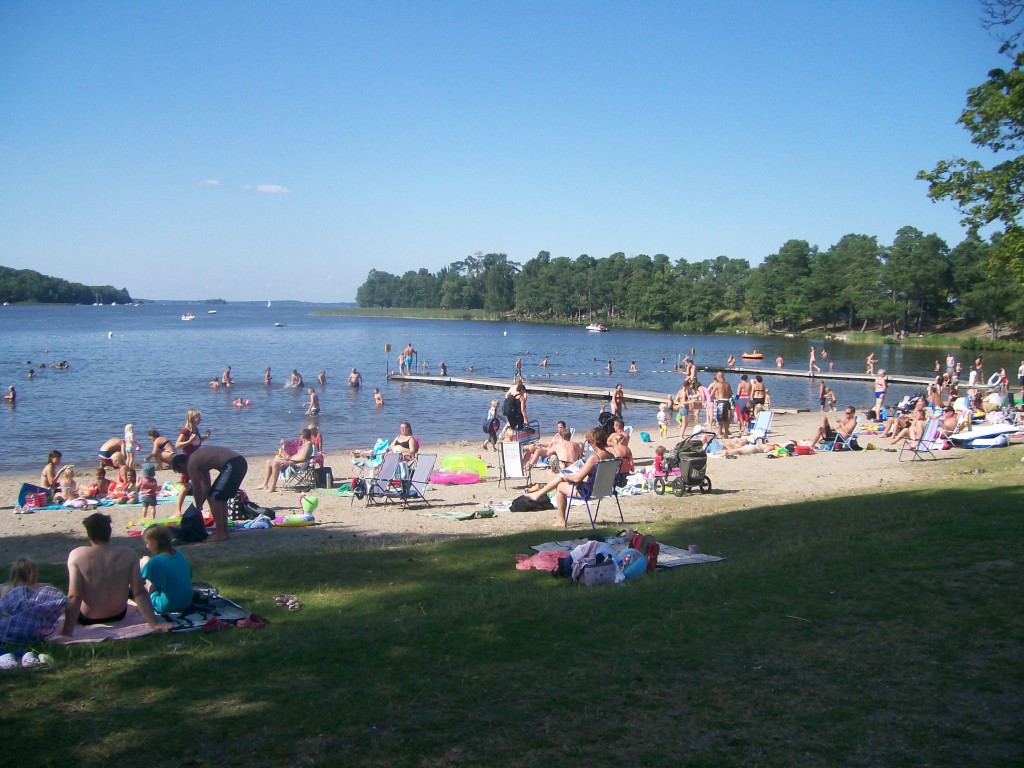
(252,621)
(214,624)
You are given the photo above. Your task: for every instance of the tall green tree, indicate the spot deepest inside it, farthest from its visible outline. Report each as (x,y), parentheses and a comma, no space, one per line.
(992,193)
(857,261)
(778,289)
(917,276)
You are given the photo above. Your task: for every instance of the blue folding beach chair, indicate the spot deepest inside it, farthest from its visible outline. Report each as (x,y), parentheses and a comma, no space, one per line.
(848,442)
(762,426)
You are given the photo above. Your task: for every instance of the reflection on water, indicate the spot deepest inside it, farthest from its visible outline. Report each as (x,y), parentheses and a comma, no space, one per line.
(153,367)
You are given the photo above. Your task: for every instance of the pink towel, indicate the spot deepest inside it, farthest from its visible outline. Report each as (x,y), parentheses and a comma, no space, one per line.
(132,625)
(542,561)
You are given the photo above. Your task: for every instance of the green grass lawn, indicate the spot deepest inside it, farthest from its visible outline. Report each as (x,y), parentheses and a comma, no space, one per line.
(883,629)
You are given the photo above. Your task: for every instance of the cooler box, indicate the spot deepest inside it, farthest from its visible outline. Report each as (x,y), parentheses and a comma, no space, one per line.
(324,477)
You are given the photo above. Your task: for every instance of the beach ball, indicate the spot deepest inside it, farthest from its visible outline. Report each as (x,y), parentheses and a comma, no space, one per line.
(309,504)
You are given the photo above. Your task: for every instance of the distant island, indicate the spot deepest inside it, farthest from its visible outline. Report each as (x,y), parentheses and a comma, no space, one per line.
(26,286)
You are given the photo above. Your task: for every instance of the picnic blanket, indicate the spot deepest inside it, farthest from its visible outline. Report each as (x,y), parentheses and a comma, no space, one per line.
(100,503)
(451,514)
(133,625)
(668,557)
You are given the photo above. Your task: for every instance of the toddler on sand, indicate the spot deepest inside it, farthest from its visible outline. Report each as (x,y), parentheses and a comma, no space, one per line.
(148,488)
(130,446)
(662,420)
(68,486)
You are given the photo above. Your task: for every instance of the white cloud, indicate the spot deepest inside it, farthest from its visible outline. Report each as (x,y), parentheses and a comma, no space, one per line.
(267,189)
(209,183)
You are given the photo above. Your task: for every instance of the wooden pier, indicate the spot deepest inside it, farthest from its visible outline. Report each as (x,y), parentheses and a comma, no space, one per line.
(557,384)
(791,373)
(535,386)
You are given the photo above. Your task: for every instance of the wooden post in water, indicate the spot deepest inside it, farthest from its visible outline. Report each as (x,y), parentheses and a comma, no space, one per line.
(387,359)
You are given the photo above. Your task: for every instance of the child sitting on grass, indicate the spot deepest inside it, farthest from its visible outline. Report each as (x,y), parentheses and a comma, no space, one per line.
(167,573)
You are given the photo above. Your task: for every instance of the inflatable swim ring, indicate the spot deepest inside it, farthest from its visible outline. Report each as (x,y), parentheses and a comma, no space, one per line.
(309,503)
(632,563)
(461,461)
(994,379)
(294,520)
(454,477)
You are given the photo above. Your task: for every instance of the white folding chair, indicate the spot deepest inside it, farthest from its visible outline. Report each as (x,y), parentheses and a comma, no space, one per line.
(599,485)
(379,487)
(922,449)
(416,486)
(512,466)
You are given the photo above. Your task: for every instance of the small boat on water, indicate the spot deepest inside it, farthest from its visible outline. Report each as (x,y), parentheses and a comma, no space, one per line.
(755,355)
(211,311)
(188,316)
(279,325)
(597,328)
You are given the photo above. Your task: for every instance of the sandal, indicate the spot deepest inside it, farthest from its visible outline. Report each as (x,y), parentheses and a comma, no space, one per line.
(214,624)
(252,621)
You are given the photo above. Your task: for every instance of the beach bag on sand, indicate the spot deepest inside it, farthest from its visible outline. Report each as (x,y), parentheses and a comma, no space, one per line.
(526,504)
(36,500)
(192,529)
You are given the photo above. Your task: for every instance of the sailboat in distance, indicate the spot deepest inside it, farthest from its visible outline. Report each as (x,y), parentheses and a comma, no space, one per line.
(268,305)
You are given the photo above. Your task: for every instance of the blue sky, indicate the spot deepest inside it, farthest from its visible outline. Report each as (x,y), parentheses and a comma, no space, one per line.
(251,150)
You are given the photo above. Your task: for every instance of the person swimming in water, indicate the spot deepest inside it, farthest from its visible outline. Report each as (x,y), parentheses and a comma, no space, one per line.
(355,379)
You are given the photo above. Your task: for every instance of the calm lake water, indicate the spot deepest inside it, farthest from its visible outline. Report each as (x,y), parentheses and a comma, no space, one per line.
(153,367)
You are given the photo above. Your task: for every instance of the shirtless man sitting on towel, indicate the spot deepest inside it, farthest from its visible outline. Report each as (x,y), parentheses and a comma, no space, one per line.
(99,577)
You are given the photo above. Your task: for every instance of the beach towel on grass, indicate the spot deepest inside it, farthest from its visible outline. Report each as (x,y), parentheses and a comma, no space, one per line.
(133,625)
(668,556)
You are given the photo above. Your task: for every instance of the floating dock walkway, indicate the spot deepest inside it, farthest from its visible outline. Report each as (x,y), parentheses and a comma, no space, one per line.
(556,384)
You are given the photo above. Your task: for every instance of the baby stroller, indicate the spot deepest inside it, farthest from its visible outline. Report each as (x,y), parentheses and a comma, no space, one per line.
(686,466)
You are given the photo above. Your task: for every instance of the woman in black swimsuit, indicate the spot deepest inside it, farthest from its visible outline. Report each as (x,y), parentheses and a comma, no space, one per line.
(405,443)
(163,450)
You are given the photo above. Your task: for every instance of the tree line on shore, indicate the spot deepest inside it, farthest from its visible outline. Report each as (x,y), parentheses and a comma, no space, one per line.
(916,282)
(26,286)
(856,284)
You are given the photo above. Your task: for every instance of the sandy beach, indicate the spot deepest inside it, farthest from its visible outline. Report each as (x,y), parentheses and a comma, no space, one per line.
(48,535)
